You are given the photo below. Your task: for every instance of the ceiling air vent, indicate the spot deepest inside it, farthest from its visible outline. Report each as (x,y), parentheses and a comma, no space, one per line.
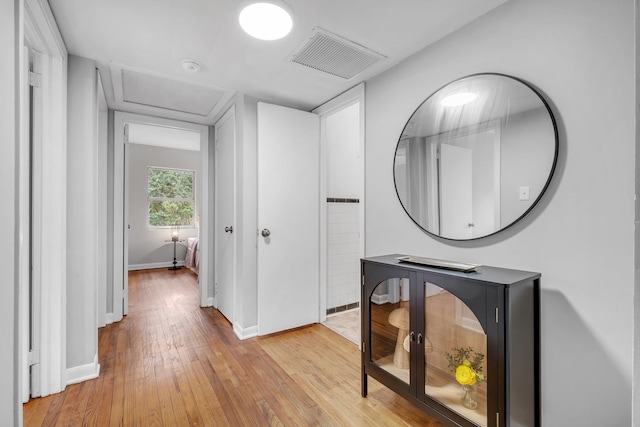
(335,55)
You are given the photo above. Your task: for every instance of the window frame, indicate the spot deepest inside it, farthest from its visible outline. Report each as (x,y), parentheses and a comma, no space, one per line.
(173,199)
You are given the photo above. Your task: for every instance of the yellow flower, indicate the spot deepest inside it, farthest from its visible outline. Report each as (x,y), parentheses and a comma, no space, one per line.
(466,363)
(465,375)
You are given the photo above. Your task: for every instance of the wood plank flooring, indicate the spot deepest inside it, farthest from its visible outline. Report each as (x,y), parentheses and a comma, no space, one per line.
(172,363)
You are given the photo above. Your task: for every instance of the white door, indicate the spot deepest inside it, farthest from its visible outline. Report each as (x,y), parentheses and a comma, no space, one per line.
(225,215)
(456,215)
(288,218)
(485,177)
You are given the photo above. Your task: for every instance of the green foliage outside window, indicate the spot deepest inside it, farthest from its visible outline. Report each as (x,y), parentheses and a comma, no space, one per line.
(171,200)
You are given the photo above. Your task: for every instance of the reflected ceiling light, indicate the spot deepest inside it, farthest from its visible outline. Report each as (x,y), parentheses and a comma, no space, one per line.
(458,99)
(266,20)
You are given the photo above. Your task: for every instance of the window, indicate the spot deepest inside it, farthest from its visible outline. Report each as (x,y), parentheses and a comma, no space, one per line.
(170,197)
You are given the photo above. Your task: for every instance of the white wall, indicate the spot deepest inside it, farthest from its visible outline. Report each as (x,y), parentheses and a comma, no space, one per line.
(343,153)
(247,212)
(103,202)
(580,54)
(343,181)
(343,254)
(210,229)
(82,220)
(147,246)
(10,408)
(636,311)
(110,172)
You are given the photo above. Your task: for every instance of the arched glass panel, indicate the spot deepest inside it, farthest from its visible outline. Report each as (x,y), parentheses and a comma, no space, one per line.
(455,355)
(390,316)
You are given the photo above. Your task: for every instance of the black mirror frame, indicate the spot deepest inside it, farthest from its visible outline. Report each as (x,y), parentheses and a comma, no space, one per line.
(542,191)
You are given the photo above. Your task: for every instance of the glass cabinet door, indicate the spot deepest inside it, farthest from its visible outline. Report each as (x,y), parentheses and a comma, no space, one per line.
(390,326)
(455,350)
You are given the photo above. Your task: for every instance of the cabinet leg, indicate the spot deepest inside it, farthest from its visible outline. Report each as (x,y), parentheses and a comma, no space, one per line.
(364,385)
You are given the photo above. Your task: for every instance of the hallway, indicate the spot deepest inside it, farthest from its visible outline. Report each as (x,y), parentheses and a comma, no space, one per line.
(171,363)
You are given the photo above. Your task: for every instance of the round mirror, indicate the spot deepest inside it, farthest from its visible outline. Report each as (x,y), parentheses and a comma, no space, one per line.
(475,156)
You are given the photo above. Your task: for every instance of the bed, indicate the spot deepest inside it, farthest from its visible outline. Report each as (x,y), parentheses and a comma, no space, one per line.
(192,258)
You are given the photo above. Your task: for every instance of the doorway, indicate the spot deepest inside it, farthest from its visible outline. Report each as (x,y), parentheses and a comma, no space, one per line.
(156,132)
(342,203)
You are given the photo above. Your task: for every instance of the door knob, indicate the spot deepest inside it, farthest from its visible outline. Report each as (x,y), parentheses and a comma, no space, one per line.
(228,229)
(266,232)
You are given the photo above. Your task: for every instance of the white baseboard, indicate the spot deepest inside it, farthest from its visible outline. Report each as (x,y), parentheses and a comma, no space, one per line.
(149,266)
(109,318)
(380,299)
(208,302)
(82,373)
(244,333)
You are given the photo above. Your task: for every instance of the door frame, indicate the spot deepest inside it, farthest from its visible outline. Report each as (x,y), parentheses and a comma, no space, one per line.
(38,31)
(230,114)
(120,213)
(102,136)
(25,232)
(335,105)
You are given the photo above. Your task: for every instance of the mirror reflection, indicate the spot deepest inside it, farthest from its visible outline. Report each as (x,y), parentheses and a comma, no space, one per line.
(475,157)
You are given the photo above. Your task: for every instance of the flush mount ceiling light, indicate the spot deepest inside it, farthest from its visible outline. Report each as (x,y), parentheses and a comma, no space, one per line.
(266,20)
(458,99)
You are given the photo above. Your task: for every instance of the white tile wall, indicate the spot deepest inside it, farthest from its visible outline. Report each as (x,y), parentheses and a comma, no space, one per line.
(343,250)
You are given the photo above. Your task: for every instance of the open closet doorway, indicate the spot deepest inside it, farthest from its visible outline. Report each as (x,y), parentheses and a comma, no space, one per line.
(342,211)
(149,153)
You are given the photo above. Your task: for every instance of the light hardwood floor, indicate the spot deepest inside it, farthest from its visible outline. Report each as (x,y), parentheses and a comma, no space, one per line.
(172,363)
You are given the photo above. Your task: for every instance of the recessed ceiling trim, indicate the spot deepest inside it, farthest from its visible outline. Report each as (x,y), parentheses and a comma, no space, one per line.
(133,99)
(163,136)
(335,55)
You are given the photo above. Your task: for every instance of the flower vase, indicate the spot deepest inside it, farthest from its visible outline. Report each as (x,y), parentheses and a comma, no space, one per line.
(469,397)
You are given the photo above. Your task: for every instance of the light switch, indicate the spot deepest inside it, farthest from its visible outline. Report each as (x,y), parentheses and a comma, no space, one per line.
(524,193)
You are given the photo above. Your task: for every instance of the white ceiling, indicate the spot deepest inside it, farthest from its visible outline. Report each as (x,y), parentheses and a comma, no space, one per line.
(139,46)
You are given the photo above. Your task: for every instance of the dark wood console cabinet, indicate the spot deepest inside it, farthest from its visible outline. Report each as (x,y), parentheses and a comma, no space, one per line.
(413,316)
